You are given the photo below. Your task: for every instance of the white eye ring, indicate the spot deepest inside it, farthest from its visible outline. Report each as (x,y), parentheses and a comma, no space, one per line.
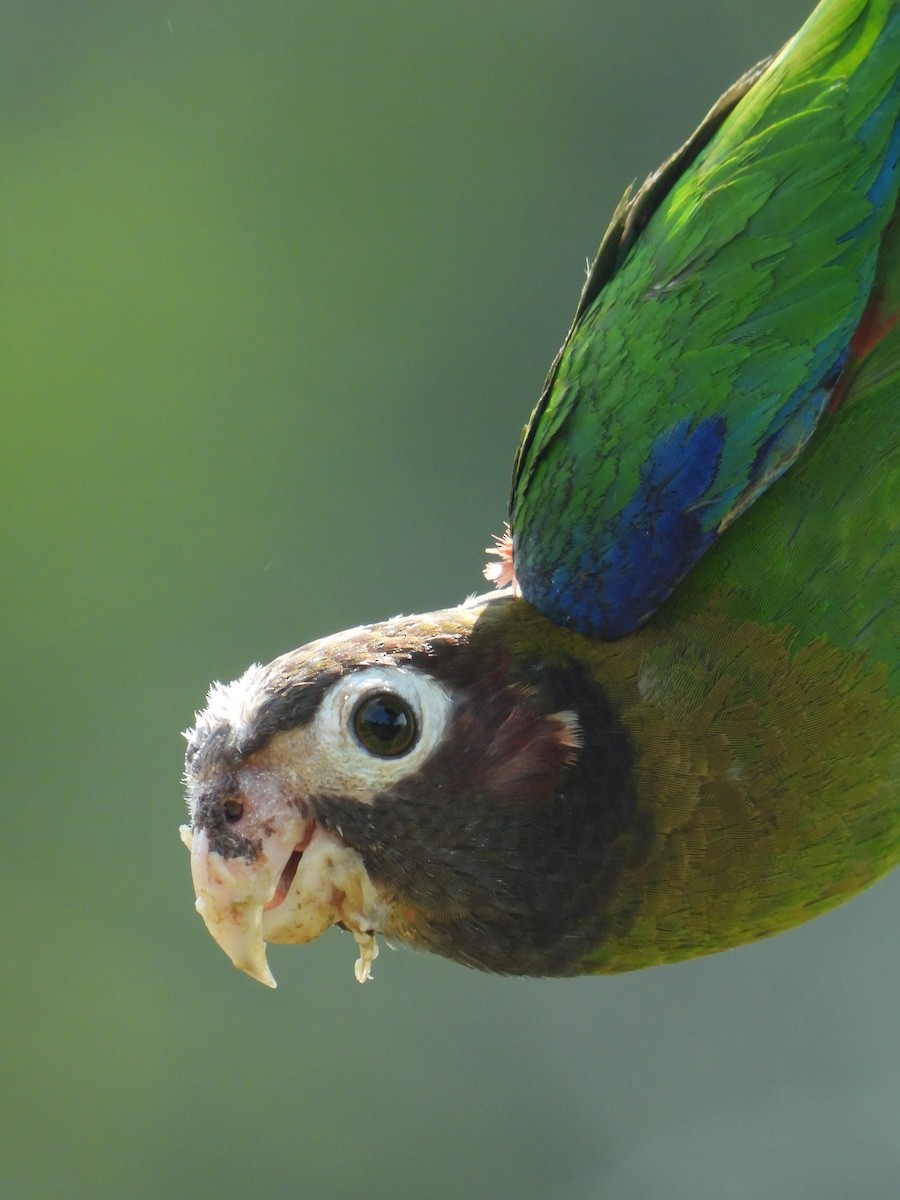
(344,760)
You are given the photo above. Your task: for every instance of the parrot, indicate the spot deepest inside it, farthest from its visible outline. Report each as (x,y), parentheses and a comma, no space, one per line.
(673,728)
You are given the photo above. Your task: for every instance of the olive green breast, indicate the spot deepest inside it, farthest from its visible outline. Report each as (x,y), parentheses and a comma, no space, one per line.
(770,775)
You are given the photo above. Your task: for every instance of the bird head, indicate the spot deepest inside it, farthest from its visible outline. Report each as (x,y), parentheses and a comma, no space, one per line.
(440,780)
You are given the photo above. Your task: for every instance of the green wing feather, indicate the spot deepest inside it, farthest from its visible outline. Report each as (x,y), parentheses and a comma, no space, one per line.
(714,326)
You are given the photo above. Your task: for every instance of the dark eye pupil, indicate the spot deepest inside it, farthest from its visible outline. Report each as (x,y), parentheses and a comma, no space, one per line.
(385,725)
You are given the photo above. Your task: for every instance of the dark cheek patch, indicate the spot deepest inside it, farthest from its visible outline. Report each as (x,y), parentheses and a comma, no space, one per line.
(501,852)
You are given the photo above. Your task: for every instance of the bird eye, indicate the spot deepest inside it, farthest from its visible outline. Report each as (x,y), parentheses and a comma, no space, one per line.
(385,725)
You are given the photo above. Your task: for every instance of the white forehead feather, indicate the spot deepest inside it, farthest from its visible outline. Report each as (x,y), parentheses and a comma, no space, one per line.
(234,704)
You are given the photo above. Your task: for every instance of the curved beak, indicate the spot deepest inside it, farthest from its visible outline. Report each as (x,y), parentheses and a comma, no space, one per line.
(231,896)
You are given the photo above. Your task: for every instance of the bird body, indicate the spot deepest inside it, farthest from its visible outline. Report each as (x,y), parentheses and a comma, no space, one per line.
(679,730)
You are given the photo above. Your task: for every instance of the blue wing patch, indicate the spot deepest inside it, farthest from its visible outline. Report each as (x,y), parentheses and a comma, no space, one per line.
(627,568)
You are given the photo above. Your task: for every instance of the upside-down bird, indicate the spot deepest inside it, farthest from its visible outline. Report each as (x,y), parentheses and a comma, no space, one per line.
(674,727)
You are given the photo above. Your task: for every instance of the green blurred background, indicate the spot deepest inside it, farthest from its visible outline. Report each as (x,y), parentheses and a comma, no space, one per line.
(281,282)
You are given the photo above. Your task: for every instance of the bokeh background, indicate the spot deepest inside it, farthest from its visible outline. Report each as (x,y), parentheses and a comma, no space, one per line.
(281,282)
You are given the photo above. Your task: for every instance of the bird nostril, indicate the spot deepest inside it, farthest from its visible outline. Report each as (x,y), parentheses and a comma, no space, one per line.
(232,810)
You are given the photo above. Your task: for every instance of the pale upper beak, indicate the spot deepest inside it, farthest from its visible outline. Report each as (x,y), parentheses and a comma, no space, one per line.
(231,895)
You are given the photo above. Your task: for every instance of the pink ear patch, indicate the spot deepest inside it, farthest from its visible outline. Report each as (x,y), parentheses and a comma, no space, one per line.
(502,573)
(524,751)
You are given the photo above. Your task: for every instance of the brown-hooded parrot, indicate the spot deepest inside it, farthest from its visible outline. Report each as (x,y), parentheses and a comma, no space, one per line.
(676,729)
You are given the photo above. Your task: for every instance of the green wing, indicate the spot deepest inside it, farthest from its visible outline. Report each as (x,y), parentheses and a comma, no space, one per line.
(714,327)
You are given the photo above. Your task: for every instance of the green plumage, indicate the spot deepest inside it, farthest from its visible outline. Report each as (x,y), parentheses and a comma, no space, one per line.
(770,705)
